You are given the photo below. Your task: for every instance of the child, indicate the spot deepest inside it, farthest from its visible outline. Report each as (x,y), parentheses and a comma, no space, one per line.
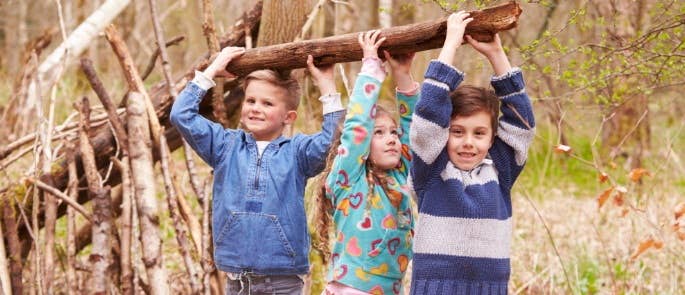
(465,163)
(259,224)
(365,184)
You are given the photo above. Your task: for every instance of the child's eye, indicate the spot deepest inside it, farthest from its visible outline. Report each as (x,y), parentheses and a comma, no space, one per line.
(250,100)
(378,132)
(268,103)
(457,131)
(394,132)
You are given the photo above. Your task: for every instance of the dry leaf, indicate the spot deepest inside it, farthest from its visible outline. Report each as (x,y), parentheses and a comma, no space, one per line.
(604,196)
(658,244)
(563,149)
(624,212)
(681,236)
(637,174)
(612,165)
(644,245)
(618,199)
(679,210)
(603,177)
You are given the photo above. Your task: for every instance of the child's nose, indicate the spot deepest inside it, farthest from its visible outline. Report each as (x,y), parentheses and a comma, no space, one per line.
(391,139)
(468,140)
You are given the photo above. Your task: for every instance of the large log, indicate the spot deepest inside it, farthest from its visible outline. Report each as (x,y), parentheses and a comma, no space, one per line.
(403,39)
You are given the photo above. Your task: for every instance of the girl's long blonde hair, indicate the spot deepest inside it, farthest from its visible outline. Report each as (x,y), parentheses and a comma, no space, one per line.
(324,206)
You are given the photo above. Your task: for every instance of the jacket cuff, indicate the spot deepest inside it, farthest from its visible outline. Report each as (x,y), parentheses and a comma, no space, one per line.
(331,103)
(203,81)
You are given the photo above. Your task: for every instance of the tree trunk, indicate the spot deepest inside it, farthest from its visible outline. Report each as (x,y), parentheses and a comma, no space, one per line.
(627,133)
(15,32)
(282,20)
(140,149)
(78,41)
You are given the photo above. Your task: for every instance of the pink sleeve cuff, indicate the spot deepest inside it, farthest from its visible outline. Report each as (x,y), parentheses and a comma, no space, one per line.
(373,66)
(409,92)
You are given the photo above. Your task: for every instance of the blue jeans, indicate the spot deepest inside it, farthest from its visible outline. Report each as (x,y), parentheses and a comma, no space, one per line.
(249,284)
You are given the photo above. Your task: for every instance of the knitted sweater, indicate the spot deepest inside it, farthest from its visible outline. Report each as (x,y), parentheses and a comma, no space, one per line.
(463,232)
(372,238)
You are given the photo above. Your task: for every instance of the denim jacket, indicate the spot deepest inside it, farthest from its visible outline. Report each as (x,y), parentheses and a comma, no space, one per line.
(259,224)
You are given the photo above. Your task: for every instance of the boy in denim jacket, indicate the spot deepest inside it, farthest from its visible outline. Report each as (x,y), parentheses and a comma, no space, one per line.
(259,223)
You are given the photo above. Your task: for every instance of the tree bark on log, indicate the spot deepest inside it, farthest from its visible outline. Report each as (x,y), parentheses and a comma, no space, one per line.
(403,39)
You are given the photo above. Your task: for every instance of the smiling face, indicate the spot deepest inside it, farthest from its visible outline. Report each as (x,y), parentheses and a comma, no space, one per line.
(265,111)
(386,148)
(469,140)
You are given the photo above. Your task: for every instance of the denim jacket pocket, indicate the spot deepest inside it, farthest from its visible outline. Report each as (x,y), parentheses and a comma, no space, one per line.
(391,255)
(257,240)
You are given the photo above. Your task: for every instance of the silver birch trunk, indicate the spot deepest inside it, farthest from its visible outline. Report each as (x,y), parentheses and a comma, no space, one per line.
(142,172)
(77,42)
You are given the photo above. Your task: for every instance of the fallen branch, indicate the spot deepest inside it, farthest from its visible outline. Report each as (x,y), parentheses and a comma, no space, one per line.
(403,39)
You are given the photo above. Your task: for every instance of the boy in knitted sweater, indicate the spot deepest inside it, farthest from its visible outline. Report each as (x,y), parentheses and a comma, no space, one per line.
(466,159)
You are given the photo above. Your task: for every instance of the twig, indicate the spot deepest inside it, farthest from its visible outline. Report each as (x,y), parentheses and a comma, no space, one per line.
(96,84)
(46,187)
(207,264)
(66,129)
(192,172)
(614,151)
(126,231)
(187,213)
(554,246)
(172,201)
(161,46)
(71,218)
(155,55)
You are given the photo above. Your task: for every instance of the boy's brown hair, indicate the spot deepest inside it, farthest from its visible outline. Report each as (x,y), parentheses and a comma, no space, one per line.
(285,81)
(468,100)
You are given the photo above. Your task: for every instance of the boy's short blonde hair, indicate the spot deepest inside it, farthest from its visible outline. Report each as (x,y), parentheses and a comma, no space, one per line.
(284,81)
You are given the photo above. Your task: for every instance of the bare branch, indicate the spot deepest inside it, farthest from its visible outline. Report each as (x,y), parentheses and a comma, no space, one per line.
(57,193)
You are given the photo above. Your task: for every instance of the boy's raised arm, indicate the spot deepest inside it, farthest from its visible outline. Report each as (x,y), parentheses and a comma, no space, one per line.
(517,123)
(314,148)
(430,127)
(207,138)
